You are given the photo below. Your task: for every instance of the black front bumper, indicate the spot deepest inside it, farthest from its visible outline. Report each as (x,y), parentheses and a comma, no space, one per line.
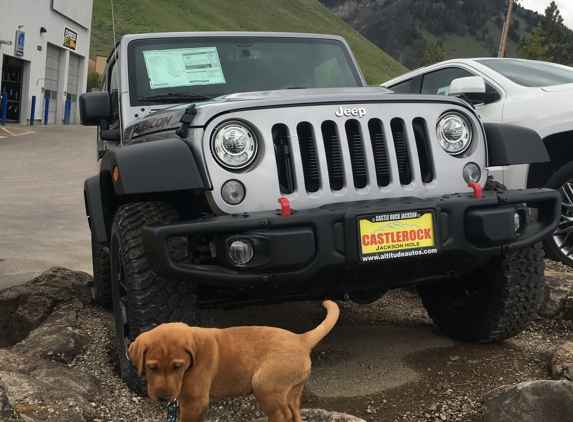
(299,246)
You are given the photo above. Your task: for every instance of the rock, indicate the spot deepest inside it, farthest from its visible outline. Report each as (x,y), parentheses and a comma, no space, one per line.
(44,390)
(530,401)
(562,362)
(319,415)
(25,307)
(568,311)
(57,339)
(558,287)
(7,412)
(75,283)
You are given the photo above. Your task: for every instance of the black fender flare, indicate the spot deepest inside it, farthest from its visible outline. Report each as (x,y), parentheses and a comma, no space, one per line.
(160,166)
(510,144)
(94,208)
(157,166)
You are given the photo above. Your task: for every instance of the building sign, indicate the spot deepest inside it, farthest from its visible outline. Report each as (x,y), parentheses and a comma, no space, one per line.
(19,47)
(70,38)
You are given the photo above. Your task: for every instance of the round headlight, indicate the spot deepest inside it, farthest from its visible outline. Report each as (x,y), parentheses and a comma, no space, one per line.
(454,133)
(234,145)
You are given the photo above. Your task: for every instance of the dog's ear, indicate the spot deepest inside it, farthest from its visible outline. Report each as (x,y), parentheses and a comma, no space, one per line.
(190,346)
(136,352)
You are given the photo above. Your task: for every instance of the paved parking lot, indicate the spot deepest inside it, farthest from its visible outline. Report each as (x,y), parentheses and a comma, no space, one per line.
(42,218)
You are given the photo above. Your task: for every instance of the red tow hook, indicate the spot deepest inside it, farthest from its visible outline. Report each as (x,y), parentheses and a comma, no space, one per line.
(285,206)
(477,190)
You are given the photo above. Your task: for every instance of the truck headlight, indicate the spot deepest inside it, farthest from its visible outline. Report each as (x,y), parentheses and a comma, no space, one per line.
(234,145)
(454,133)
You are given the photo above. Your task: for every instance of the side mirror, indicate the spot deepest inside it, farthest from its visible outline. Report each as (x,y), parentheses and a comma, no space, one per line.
(467,85)
(95,107)
(474,89)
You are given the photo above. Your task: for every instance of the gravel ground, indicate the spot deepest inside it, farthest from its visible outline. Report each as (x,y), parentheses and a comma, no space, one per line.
(451,387)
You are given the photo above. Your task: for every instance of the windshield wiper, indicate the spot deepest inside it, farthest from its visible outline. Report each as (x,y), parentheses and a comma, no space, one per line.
(177,97)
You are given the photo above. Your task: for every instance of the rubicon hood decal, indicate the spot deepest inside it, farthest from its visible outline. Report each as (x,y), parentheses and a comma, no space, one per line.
(156,123)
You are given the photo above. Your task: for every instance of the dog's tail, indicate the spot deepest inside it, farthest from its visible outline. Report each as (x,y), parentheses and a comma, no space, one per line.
(312,337)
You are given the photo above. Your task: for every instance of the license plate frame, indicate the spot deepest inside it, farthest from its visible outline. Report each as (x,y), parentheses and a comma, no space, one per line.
(396,235)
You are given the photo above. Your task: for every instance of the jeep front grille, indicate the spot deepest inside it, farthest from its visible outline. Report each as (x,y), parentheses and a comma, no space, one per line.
(341,146)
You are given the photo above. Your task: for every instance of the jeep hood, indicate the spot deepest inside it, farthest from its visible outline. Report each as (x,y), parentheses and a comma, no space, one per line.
(169,118)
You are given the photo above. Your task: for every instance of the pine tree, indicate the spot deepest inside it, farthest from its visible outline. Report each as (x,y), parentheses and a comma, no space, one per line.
(550,41)
(433,55)
(534,46)
(559,37)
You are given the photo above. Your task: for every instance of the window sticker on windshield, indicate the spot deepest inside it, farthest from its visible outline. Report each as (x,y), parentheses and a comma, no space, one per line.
(183,67)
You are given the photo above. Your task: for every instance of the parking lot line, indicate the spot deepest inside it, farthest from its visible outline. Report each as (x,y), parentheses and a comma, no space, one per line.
(28,132)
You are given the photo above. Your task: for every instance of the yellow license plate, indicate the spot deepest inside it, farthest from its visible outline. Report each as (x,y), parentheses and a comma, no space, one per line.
(396,235)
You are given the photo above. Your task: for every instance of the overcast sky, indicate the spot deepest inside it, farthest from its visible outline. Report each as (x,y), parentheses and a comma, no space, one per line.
(565,8)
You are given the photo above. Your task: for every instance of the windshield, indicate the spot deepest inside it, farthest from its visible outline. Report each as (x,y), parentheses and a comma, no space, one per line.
(214,66)
(531,73)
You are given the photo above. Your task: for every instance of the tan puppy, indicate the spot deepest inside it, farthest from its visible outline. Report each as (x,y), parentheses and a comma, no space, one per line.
(197,365)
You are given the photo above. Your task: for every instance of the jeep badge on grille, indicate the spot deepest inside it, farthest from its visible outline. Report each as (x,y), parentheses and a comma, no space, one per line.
(360,112)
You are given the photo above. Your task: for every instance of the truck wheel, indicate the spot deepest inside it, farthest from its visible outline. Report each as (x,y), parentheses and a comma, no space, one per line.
(492,303)
(102,274)
(141,300)
(559,247)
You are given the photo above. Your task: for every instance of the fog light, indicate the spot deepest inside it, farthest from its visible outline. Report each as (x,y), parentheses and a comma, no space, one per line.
(516,221)
(233,192)
(520,221)
(471,173)
(241,251)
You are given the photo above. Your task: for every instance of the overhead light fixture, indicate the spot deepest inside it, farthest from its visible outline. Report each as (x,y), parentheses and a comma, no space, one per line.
(43,30)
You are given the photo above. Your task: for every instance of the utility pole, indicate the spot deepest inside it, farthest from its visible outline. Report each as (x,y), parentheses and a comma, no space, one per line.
(505,31)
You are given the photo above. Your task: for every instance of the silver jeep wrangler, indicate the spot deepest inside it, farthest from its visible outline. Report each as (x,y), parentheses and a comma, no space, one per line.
(241,169)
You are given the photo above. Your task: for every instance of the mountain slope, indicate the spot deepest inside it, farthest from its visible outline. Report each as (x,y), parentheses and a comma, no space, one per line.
(405,29)
(143,16)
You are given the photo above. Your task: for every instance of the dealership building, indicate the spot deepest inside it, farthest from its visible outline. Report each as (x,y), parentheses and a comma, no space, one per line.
(44,52)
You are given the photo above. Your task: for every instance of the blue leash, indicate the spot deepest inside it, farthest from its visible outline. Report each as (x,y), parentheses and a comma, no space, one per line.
(173,411)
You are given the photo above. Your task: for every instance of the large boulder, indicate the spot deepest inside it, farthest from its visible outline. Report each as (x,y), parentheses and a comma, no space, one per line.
(530,401)
(58,339)
(45,390)
(25,307)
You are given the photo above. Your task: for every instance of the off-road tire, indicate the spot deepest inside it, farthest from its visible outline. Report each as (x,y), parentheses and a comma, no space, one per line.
(141,300)
(102,274)
(559,246)
(492,185)
(494,302)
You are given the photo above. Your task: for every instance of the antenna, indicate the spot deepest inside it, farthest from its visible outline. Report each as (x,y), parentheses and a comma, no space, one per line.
(119,116)
(113,22)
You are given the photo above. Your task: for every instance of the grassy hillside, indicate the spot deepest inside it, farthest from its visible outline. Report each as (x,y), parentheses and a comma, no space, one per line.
(142,16)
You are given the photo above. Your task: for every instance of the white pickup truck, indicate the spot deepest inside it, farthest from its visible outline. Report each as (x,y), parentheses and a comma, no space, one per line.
(532,94)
